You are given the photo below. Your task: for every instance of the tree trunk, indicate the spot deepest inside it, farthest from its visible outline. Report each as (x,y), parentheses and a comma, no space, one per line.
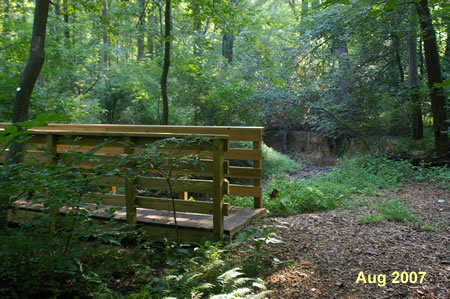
(446,60)
(438,108)
(27,81)
(397,57)
(5,15)
(66,21)
(160,48)
(227,46)
(294,9)
(165,72)
(105,34)
(198,31)
(413,76)
(150,36)
(141,28)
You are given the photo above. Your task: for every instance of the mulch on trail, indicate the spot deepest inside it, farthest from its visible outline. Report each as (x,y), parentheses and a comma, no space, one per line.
(327,251)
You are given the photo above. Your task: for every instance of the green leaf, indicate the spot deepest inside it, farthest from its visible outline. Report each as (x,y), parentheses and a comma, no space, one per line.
(445,83)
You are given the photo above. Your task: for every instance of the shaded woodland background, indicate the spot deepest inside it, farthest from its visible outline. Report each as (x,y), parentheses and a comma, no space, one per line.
(339,70)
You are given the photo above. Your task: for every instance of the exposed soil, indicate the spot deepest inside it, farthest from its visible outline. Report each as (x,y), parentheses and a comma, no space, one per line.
(327,251)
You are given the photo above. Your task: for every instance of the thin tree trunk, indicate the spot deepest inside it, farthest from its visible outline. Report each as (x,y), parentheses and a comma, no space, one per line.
(105,33)
(397,57)
(165,72)
(161,31)
(438,108)
(66,21)
(198,31)
(227,46)
(141,28)
(446,60)
(413,76)
(294,9)
(27,81)
(150,45)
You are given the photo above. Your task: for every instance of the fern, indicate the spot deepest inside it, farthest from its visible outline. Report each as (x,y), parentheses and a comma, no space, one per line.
(233,286)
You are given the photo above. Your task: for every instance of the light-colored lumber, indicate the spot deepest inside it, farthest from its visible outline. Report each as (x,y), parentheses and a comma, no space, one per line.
(182,185)
(257,164)
(51,152)
(218,181)
(245,190)
(235,133)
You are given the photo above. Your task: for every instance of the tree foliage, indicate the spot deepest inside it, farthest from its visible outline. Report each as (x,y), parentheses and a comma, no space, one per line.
(336,67)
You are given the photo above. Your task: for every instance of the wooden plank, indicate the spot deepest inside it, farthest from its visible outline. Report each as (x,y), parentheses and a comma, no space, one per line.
(244,172)
(130,188)
(189,185)
(156,223)
(245,190)
(130,200)
(240,218)
(107,199)
(233,154)
(235,133)
(183,195)
(257,164)
(243,154)
(109,181)
(218,180)
(201,207)
(51,152)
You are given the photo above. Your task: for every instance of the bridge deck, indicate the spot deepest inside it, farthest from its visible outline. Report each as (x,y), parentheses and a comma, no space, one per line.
(158,224)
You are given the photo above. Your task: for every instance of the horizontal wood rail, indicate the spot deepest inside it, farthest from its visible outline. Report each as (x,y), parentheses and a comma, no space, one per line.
(69,138)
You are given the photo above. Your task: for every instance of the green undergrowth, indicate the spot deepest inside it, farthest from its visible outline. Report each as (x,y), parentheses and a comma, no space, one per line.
(276,163)
(394,210)
(364,175)
(36,263)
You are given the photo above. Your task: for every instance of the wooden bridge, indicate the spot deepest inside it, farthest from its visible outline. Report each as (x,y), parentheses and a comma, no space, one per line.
(196,220)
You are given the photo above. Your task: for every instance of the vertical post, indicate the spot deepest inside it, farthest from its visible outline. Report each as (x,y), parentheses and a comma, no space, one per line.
(257,201)
(130,190)
(218,179)
(51,151)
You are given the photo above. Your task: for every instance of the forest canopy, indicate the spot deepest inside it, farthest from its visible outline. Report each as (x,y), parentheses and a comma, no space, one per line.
(340,68)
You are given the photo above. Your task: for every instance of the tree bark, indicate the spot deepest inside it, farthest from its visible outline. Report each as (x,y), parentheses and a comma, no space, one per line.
(397,57)
(413,76)
(141,28)
(27,81)
(434,74)
(5,17)
(105,34)
(165,71)
(66,21)
(227,46)
(150,36)
(197,30)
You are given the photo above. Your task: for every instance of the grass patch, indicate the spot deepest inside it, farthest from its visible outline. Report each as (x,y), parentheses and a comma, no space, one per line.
(276,163)
(391,210)
(358,176)
(395,210)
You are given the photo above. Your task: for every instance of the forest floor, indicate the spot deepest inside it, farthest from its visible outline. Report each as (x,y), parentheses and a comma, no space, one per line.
(326,252)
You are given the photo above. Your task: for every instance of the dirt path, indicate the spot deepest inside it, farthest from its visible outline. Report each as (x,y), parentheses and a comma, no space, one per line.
(328,251)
